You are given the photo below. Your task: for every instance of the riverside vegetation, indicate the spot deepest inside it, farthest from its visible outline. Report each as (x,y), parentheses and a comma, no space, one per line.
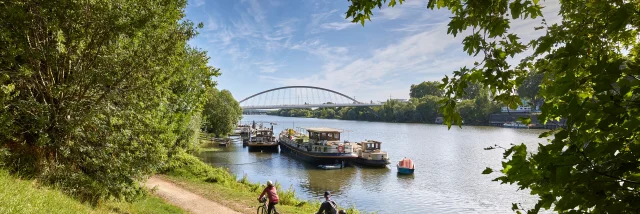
(422,107)
(96,96)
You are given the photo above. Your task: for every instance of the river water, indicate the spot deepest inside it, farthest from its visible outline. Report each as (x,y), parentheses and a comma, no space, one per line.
(448,163)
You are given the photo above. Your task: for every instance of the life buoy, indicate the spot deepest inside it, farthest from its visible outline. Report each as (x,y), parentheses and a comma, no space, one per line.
(341,149)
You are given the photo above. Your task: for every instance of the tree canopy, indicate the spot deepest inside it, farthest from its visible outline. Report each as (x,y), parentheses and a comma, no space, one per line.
(431,88)
(221,113)
(591,77)
(530,87)
(474,90)
(97,95)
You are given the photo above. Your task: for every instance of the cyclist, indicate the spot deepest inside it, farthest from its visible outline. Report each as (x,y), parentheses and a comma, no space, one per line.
(329,206)
(272,194)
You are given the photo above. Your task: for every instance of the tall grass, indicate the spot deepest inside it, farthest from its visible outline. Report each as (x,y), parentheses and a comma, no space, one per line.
(26,196)
(18,196)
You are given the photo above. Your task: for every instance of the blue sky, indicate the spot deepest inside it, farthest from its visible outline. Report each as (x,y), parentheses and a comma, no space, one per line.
(259,45)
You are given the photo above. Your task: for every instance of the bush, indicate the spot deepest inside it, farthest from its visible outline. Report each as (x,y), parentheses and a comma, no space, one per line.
(287,197)
(185,165)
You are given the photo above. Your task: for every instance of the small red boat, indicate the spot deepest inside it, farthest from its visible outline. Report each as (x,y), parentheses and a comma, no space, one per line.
(406,166)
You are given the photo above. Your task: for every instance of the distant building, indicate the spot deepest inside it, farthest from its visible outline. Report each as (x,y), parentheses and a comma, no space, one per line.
(523,108)
(397,100)
(519,109)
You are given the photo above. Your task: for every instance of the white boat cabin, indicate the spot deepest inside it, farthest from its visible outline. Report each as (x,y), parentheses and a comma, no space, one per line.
(327,140)
(371,150)
(263,135)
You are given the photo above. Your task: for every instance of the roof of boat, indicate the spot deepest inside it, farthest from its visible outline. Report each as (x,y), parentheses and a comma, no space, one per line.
(371,141)
(323,129)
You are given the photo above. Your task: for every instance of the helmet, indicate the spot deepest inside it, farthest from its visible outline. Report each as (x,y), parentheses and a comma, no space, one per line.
(327,193)
(269,183)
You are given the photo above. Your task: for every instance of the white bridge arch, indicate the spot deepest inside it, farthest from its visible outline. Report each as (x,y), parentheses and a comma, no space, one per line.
(300,97)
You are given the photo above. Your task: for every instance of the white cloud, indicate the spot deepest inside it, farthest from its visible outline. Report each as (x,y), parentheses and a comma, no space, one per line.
(391,13)
(199,3)
(317,18)
(337,25)
(211,24)
(406,9)
(324,51)
(255,10)
(286,27)
(224,36)
(267,66)
(364,75)
(318,24)
(415,27)
(249,35)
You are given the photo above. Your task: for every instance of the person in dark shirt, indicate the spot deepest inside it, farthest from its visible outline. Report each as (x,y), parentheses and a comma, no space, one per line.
(329,206)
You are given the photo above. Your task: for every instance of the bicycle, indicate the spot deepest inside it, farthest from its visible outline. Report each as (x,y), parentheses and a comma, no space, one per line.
(262,209)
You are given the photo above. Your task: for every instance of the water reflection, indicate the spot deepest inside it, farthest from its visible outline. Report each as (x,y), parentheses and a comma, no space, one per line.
(448,163)
(374,180)
(337,181)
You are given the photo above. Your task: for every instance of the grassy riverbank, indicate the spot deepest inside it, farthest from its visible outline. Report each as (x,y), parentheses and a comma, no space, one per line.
(26,196)
(221,186)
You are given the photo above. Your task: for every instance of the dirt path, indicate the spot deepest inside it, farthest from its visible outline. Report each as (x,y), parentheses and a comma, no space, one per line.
(185,199)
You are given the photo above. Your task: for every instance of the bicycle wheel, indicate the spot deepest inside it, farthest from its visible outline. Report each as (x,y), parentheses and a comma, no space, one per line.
(261,210)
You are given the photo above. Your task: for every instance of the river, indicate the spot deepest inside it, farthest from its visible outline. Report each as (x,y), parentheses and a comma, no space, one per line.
(448,163)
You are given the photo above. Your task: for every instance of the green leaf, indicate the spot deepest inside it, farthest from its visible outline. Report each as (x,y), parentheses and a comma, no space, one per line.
(516,9)
(525,120)
(620,19)
(544,45)
(546,134)
(487,171)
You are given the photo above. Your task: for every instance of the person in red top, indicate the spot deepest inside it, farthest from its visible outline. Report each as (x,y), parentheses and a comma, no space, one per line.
(272,194)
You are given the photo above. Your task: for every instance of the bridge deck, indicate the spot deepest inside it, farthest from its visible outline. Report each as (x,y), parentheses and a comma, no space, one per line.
(311,106)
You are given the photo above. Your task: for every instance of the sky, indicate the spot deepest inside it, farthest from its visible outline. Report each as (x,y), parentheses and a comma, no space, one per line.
(260,45)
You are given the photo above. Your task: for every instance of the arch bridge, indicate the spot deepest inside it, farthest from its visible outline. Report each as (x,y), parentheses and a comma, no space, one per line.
(290,97)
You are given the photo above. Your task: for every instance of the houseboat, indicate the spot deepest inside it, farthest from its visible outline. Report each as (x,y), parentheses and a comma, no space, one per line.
(517,125)
(245,133)
(263,140)
(321,146)
(370,154)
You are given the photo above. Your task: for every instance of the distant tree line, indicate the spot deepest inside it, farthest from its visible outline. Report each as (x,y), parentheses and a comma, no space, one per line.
(422,107)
